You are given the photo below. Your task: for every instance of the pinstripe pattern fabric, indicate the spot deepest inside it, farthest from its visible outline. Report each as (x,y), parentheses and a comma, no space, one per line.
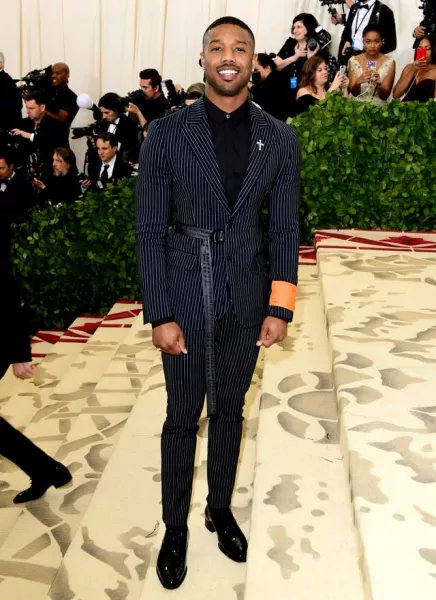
(179,181)
(236,356)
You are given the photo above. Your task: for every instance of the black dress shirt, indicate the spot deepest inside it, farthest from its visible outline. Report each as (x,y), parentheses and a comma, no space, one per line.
(231,137)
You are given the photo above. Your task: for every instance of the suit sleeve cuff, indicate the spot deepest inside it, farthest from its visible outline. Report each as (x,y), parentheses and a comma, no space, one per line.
(280,313)
(159,322)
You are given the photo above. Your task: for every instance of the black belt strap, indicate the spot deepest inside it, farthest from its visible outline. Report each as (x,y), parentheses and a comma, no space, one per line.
(208,238)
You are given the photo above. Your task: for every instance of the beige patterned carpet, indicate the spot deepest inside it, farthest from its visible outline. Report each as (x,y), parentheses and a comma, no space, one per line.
(337,476)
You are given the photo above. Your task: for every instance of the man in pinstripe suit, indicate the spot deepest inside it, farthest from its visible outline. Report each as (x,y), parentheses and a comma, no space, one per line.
(213,289)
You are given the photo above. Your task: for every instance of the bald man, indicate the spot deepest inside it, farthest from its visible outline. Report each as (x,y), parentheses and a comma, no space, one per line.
(63,107)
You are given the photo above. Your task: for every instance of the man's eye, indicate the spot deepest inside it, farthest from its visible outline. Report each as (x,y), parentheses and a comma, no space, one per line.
(240,49)
(216,48)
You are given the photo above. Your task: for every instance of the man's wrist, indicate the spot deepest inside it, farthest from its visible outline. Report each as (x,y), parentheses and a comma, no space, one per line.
(164,321)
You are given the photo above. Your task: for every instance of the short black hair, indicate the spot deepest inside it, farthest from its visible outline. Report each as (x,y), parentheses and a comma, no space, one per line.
(110,101)
(154,76)
(230,21)
(38,96)
(372,28)
(267,60)
(8,155)
(308,20)
(108,137)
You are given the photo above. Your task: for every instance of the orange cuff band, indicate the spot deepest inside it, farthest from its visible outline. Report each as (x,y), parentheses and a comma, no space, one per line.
(283,294)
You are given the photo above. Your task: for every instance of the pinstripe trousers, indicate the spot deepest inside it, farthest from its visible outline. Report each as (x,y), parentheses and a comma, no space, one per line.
(236,356)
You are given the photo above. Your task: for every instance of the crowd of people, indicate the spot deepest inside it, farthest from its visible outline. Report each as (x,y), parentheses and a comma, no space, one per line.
(37,167)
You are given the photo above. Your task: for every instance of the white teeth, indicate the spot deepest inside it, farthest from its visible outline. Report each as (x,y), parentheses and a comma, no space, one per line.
(228,72)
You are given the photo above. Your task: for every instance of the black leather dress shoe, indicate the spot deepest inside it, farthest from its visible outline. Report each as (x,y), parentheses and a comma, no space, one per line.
(58,477)
(231,540)
(171,563)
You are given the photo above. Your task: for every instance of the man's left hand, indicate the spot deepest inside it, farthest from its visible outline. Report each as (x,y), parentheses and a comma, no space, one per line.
(273,330)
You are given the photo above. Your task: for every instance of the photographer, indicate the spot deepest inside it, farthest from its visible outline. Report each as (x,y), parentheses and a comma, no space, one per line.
(124,129)
(267,89)
(63,106)
(372,74)
(341,18)
(62,186)
(362,14)
(418,79)
(16,194)
(314,84)
(39,131)
(10,99)
(296,51)
(153,105)
(108,167)
(428,24)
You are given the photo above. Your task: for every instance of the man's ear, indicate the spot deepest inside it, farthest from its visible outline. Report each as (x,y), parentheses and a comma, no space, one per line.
(202,59)
(254,61)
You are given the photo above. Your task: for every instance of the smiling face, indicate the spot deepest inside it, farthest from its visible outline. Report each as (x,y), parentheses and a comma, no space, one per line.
(299,31)
(227,58)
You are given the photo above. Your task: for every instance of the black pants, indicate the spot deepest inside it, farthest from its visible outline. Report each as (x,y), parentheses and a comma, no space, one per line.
(17,448)
(236,356)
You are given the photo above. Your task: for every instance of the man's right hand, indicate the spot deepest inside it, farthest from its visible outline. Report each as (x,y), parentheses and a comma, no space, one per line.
(170,339)
(419,31)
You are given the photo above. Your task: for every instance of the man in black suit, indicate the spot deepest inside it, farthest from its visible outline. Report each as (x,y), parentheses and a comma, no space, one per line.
(108,167)
(10,99)
(362,14)
(62,186)
(212,288)
(43,470)
(40,132)
(16,193)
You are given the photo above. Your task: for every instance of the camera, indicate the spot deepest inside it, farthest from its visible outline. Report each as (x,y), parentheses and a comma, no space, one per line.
(92,130)
(136,97)
(321,37)
(35,168)
(38,80)
(173,97)
(429,9)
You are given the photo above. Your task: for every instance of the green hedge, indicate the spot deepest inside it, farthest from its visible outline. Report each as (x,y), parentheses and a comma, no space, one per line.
(368,166)
(364,166)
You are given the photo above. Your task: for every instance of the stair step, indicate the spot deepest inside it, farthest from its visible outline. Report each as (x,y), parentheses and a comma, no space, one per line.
(301,526)
(31,395)
(381,320)
(97,420)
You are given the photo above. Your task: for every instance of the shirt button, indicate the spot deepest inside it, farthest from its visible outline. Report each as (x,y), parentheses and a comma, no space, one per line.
(227,116)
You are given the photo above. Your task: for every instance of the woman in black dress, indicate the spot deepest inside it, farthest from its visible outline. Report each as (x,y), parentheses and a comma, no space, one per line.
(418,79)
(314,84)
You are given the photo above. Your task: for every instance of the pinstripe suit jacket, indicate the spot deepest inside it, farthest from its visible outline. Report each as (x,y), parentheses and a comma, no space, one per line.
(179,180)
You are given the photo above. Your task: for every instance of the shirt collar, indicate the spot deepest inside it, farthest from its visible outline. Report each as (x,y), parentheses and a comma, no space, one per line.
(368,4)
(216,115)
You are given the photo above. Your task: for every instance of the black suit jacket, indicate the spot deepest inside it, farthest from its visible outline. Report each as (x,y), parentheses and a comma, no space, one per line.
(120,170)
(382,16)
(179,180)
(48,136)
(10,102)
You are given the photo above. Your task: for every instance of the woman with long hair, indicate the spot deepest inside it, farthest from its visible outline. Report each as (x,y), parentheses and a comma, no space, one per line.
(418,79)
(314,84)
(372,73)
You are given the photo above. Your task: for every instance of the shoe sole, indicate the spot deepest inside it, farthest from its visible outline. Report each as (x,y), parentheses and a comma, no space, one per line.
(210,527)
(172,587)
(63,483)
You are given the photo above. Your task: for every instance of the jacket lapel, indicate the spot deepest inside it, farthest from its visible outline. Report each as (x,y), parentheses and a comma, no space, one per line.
(260,148)
(197,132)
